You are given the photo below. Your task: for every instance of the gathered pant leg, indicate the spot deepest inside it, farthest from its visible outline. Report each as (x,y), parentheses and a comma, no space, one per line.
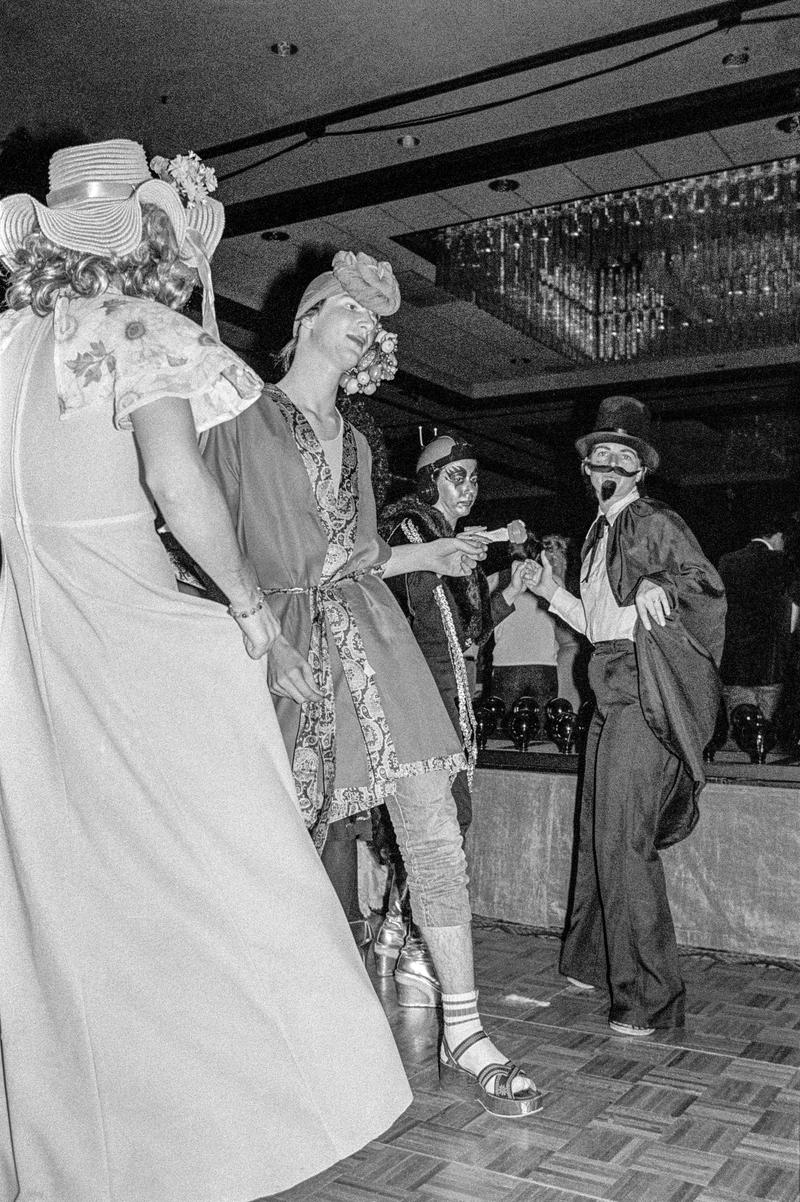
(620,926)
(426,825)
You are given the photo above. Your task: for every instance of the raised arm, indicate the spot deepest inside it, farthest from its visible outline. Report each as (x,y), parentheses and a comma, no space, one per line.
(541,581)
(455,556)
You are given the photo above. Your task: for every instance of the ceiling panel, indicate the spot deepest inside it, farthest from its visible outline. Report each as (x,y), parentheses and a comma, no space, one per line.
(757,141)
(213,78)
(603,173)
(425,212)
(681,157)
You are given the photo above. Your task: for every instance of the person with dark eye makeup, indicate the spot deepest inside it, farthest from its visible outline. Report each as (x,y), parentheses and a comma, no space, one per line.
(446,615)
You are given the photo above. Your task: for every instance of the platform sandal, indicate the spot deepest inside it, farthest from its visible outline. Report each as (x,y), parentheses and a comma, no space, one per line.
(493,1086)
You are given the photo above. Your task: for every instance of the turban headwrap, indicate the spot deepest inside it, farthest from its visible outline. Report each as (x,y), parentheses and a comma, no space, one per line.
(369,282)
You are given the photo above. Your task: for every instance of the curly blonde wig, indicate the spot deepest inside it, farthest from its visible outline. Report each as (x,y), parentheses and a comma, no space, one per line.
(43,270)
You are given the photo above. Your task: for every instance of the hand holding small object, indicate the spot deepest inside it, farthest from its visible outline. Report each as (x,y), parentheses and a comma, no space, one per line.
(455,556)
(539,577)
(520,575)
(514,532)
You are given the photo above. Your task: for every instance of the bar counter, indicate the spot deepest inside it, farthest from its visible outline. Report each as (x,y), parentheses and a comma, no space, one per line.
(734,884)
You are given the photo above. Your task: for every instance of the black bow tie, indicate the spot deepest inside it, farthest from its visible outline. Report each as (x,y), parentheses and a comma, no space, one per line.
(592,539)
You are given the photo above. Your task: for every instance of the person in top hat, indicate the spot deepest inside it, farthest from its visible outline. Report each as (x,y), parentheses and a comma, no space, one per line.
(162,1033)
(446,615)
(654,608)
(297,480)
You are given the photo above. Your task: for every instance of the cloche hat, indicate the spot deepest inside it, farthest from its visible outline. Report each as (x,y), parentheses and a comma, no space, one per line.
(95,200)
(626,420)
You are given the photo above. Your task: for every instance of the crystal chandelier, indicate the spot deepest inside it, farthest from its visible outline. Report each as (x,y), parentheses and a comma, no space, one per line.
(696,265)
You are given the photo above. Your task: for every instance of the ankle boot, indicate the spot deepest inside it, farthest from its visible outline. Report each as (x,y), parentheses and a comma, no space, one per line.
(392,932)
(362,933)
(415,976)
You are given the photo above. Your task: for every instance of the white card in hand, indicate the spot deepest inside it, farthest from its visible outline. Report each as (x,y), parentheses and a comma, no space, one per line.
(514,532)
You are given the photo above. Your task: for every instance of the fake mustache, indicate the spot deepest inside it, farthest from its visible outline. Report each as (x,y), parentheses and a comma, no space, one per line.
(611,471)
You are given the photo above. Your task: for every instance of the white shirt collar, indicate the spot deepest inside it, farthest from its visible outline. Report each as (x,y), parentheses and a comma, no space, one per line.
(764,541)
(616,509)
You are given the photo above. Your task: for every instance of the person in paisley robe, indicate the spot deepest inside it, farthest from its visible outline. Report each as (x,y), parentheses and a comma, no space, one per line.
(164,1033)
(297,480)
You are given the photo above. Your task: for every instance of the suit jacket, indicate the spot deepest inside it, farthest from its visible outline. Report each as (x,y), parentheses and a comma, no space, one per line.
(757,629)
(679,684)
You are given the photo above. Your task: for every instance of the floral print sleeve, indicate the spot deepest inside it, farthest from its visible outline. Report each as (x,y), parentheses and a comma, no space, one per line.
(125,352)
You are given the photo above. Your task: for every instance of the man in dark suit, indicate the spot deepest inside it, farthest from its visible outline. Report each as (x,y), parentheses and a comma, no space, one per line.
(654,609)
(756,638)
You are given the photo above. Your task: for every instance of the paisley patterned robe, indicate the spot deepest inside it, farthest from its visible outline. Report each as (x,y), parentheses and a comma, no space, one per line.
(318,556)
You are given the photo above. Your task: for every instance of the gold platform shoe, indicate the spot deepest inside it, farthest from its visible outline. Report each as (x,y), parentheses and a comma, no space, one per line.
(415,976)
(391,935)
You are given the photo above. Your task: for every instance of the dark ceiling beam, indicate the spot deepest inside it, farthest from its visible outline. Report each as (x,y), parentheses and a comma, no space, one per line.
(715,108)
(725,15)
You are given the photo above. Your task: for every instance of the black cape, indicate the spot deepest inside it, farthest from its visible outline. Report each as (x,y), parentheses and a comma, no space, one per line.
(678,663)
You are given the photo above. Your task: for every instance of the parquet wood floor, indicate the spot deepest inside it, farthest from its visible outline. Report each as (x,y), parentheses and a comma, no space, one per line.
(706,1114)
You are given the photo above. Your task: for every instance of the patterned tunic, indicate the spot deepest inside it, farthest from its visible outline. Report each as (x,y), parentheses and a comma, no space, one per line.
(318,555)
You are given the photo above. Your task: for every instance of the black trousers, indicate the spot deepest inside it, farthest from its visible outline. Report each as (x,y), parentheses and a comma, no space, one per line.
(619,927)
(340,861)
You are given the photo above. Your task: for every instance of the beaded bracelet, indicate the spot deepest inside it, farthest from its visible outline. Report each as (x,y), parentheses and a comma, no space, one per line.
(248,613)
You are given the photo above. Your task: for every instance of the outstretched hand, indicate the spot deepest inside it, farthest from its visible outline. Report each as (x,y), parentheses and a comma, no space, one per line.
(520,574)
(652,604)
(289,674)
(456,556)
(538,577)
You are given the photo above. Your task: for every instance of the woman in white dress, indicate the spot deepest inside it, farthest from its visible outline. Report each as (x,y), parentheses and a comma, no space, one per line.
(169,1033)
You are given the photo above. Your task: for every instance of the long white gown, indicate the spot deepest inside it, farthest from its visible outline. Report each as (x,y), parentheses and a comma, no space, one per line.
(184,1014)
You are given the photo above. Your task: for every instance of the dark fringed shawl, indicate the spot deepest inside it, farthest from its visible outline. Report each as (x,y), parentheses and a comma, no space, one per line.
(469,595)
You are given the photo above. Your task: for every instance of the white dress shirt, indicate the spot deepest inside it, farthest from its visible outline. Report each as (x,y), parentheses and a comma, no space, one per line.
(596,613)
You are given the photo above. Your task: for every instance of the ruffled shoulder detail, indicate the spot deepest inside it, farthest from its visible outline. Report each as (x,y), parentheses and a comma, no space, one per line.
(125,352)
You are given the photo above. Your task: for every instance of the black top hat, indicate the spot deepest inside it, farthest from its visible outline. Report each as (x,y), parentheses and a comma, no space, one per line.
(626,420)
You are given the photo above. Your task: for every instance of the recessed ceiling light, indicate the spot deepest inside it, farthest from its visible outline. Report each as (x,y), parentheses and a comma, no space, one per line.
(275,236)
(737,58)
(283,49)
(790,124)
(504,185)
(408,141)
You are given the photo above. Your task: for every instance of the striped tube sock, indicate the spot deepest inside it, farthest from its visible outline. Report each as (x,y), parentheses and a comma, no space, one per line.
(461,1018)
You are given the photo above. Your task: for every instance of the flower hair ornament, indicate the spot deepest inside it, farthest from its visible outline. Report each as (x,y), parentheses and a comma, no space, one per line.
(374,286)
(378,363)
(95,203)
(193,181)
(188,174)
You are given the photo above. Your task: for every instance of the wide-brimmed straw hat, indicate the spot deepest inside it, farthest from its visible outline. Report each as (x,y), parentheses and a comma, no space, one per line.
(95,205)
(625,420)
